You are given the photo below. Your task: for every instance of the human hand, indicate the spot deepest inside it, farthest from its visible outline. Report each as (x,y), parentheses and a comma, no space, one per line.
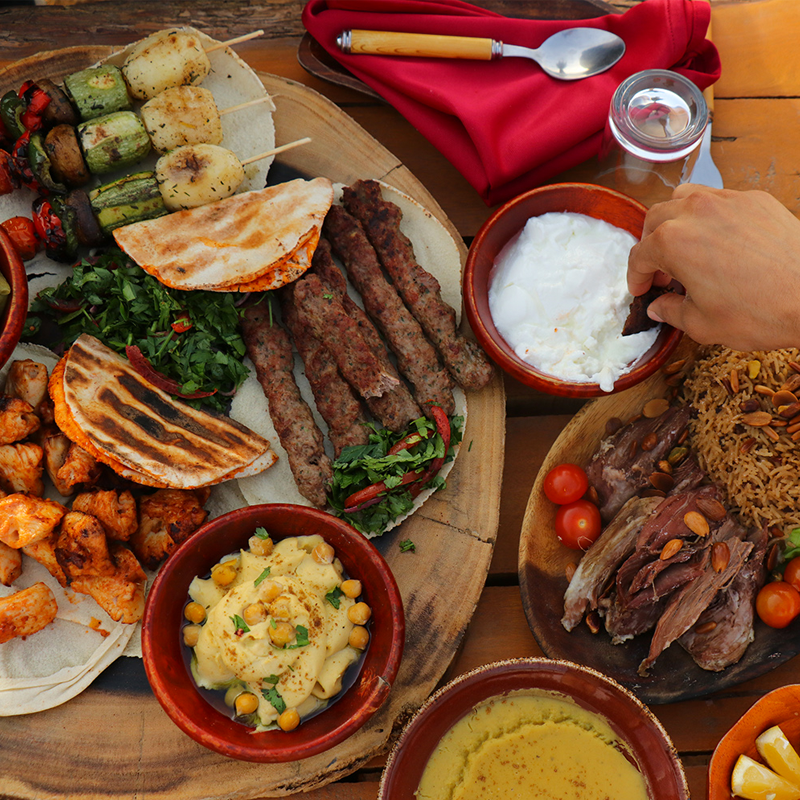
(737,254)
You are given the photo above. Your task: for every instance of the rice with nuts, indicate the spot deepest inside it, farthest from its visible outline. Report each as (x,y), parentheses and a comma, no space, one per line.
(760,476)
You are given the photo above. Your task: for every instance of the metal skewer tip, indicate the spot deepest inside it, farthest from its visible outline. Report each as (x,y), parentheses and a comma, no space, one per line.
(344,40)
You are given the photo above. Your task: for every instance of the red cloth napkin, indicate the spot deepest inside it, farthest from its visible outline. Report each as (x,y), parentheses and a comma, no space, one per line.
(506,125)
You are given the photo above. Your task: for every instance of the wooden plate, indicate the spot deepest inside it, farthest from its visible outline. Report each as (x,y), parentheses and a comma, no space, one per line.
(113,740)
(543,560)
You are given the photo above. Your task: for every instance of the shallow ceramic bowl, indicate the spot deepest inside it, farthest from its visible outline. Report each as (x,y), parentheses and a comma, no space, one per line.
(780,707)
(165,655)
(580,198)
(650,747)
(13,317)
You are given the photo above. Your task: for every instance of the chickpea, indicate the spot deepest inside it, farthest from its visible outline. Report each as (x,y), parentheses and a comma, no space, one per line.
(259,546)
(224,574)
(282,634)
(359,613)
(323,553)
(191,634)
(351,589)
(269,590)
(254,613)
(194,612)
(289,720)
(246,703)
(359,637)
(281,607)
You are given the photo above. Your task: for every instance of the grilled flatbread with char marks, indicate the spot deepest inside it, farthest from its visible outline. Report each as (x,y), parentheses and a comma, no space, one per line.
(127,422)
(252,241)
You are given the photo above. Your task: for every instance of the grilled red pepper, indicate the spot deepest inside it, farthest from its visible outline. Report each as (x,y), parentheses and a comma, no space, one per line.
(36,101)
(443,429)
(364,498)
(49,228)
(160,381)
(408,442)
(21,166)
(8,174)
(182,324)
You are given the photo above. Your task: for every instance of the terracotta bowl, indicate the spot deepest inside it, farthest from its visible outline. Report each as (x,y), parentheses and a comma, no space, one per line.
(779,707)
(12,319)
(165,655)
(647,740)
(580,198)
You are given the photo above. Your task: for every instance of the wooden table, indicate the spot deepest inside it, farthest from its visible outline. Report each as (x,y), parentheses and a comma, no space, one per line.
(754,146)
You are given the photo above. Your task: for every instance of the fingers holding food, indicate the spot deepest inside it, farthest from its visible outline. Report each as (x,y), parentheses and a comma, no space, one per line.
(26,612)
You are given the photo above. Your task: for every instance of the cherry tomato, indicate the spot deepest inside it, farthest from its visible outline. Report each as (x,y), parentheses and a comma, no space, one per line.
(23,234)
(792,573)
(578,524)
(777,604)
(565,483)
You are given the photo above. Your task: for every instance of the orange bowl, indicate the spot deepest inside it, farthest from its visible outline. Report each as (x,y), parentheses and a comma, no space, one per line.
(580,198)
(12,319)
(649,746)
(166,658)
(779,707)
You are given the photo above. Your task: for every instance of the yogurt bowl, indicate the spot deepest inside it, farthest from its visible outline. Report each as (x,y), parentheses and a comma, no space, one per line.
(502,231)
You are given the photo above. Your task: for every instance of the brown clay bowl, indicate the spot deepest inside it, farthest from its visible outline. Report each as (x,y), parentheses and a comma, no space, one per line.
(780,707)
(165,656)
(12,319)
(648,742)
(580,198)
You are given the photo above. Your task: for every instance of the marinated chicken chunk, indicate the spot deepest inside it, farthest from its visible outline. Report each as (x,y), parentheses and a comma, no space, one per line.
(120,595)
(56,448)
(21,468)
(27,380)
(17,420)
(26,612)
(26,519)
(44,551)
(115,510)
(10,564)
(79,468)
(82,548)
(166,518)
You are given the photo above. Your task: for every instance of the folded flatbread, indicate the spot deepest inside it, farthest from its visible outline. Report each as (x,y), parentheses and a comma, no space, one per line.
(106,407)
(254,241)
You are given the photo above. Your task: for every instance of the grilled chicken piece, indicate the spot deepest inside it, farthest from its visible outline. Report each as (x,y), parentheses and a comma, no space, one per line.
(21,467)
(17,420)
(10,564)
(82,549)
(166,518)
(56,448)
(120,595)
(26,519)
(27,380)
(115,510)
(44,551)
(26,612)
(79,468)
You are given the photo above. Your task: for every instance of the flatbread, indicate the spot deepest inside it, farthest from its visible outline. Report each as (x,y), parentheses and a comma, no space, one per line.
(253,241)
(130,422)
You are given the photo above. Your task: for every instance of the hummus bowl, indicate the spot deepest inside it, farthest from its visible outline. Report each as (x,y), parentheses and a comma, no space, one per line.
(502,227)
(167,659)
(637,734)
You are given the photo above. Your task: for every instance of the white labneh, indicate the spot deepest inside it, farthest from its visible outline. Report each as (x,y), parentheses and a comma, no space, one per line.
(558,295)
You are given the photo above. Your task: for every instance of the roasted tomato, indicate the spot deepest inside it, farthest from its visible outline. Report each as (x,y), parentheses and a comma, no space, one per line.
(578,524)
(792,573)
(565,483)
(777,604)
(23,234)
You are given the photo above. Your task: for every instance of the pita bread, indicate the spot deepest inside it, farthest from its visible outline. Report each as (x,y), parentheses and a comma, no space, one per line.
(105,406)
(257,240)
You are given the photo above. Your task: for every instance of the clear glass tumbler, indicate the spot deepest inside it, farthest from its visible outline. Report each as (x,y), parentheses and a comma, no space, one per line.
(655,123)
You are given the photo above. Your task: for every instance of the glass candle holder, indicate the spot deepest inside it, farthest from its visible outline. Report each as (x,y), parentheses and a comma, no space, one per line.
(655,123)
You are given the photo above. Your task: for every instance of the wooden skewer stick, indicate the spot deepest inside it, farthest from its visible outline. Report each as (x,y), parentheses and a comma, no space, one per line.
(237,40)
(277,150)
(245,105)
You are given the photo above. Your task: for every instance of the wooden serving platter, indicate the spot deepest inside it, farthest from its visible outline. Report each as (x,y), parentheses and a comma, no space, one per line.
(543,561)
(114,740)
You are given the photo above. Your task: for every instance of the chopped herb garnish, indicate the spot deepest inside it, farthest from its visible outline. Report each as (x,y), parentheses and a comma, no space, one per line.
(272,623)
(301,634)
(272,695)
(333,596)
(262,576)
(273,679)
(327,296)
(469,449)
(239,624)
(407,546)
(791,547)
(261,533)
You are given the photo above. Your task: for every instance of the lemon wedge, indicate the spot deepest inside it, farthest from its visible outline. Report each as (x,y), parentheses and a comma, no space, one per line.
(754,781)
(775,749)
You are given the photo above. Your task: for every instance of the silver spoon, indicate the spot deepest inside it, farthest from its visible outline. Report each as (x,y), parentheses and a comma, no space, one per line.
(569,55)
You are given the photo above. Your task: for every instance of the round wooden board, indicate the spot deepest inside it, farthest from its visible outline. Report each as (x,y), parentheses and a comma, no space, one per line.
(543,561)
(120,744)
